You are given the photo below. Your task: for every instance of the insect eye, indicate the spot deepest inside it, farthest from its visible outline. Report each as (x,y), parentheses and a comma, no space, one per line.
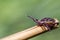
(57,23)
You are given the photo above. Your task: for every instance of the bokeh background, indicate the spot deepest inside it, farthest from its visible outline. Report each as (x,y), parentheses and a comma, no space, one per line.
(13,16)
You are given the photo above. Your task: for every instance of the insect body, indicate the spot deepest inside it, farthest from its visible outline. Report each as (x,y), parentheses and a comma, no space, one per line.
(50,23)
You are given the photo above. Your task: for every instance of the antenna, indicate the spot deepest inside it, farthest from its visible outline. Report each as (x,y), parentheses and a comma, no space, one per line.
(35,20)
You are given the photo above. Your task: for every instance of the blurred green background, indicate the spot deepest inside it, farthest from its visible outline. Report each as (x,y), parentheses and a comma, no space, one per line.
(13,16)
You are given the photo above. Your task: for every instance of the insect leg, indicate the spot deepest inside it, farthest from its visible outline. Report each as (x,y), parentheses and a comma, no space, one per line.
(48,27)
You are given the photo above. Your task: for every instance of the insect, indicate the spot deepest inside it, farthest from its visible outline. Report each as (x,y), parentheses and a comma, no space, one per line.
(50,23)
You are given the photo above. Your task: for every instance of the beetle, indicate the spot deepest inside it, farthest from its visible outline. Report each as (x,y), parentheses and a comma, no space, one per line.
(50,23)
